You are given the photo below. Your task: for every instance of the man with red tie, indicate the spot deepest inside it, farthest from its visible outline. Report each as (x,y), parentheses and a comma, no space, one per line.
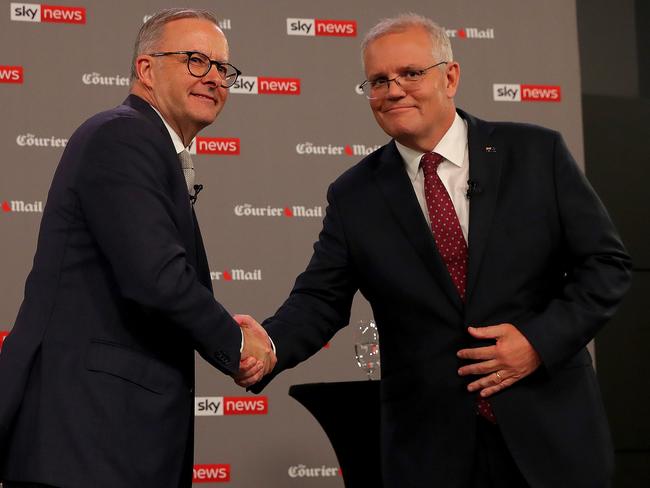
(489,263)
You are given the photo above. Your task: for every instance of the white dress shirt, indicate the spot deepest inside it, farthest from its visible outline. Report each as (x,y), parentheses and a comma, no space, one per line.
(453,171)
(176,139)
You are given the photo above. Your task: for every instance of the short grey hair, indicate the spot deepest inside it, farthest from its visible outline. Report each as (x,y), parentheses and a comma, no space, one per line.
(151,31)
(439,38)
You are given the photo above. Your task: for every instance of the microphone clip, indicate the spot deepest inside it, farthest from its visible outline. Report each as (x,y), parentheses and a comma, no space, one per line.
(473,189)
(197,189)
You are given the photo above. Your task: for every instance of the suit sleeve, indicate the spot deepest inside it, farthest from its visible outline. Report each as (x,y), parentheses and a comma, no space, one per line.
(320,302)
(598,272)
(124,190)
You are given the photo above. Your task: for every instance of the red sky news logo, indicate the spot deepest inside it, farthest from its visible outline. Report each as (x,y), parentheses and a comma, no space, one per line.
(504,92)
(11,74)
(219,405)
(264,85)
(321,27)
(211,473)
(33,12)
(3,335)
(225,146)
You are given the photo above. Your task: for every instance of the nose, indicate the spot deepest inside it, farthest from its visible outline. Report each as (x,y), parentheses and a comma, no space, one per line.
(395,90)
(212,77)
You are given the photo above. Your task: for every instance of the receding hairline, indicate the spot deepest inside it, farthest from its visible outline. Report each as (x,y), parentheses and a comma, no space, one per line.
(152,31)
(440,43)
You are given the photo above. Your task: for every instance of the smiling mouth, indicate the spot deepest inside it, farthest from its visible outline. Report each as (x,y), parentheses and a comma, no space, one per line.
(204,97)
(400,108)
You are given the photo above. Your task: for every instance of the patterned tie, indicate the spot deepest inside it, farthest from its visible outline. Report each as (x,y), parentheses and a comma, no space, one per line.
(449,239)
(188,169)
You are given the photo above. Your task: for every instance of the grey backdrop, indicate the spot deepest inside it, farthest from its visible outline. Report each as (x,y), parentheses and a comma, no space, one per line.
(71,71)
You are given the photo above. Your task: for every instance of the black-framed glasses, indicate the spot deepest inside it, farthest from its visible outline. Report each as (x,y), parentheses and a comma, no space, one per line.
(406,80)
(198,65)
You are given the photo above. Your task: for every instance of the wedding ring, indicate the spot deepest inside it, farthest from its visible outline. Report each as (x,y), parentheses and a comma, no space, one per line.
(498,377)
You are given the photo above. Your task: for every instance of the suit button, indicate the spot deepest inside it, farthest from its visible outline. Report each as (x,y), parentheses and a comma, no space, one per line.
(192,391)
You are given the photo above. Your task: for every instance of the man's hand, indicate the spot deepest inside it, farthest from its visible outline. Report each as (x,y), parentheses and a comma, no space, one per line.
(258,358)
(509,360)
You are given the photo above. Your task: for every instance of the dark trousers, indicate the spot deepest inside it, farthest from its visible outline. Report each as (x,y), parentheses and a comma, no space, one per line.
(494,466)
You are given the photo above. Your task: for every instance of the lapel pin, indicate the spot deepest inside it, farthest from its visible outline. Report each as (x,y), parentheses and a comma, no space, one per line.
(490,149)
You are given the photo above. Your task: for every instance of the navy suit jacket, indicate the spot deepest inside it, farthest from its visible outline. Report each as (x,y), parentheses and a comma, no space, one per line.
(97,375)
(543,255)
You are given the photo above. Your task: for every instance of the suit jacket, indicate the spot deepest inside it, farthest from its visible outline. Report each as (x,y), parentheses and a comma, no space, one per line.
(543,255)
(97,375)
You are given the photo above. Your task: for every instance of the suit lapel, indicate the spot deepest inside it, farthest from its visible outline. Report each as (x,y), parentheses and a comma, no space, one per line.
(397,189)
(485,163)
(187,225)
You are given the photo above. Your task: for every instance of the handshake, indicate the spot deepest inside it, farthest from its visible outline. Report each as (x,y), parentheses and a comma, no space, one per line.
(257,356)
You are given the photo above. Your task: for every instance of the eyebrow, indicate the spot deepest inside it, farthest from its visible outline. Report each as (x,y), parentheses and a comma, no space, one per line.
(401,69)
(201,52)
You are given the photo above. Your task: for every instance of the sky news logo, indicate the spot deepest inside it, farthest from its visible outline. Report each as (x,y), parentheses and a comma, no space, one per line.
(33,12)
(3,335)
(11,74)
(236,275)
(22,206)
(504,92)
(219,405)
(224,146)
(211,473)
(264,85)
(321,27)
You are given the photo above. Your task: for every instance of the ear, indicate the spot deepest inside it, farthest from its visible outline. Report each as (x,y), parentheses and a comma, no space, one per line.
(453,78)
(144,70)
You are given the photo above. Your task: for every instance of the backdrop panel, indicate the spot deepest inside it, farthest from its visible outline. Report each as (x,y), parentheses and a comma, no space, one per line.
(290,127)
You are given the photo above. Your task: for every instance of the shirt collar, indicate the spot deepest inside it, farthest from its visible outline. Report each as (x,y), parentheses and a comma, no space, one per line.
(451,147)
(176,139)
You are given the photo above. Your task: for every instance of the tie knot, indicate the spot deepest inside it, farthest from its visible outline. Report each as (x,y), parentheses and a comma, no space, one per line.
(430,162)
(186,159)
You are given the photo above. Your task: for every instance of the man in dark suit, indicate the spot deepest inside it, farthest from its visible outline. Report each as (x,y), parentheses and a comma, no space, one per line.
(484,306)
(97,375)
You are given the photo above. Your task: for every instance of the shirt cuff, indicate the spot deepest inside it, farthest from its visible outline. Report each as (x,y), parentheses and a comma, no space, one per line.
(241,348)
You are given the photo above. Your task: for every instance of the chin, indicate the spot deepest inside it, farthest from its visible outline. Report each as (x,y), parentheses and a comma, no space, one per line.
(399,132)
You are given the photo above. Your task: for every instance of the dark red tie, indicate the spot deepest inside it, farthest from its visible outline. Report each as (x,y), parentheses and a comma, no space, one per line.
(449,239)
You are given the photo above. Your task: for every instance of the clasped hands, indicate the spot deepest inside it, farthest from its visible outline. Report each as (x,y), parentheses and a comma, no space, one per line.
(257,356)
(510,359)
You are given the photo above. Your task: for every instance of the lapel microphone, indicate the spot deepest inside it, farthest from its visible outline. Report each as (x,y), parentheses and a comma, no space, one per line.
(197,189)
(473,189)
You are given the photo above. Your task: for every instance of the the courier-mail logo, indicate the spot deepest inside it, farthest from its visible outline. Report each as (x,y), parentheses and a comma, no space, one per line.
(219,405)
(321,27)
(34,12)
(504,92)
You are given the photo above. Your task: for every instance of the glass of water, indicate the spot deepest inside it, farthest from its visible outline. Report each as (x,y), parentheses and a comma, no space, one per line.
(366,346)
